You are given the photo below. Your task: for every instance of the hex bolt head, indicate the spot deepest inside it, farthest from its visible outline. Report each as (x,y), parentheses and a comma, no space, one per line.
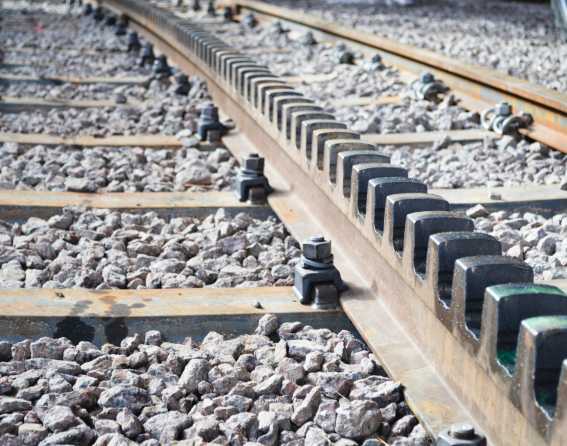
(253,163)
(317,248)
(227,14)
(182,79)
(377,58)
(211,11)
(308,39)
(462,431)
(460,434)
(504,109)
(277,27)
(426,78)
(249,20)
(346,58)
(210,113)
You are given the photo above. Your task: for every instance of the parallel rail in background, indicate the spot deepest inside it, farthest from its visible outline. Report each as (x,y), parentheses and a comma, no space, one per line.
(478,88)
(412,283)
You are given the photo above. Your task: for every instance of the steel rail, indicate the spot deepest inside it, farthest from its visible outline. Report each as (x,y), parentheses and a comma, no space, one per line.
(479,88)
(418,275)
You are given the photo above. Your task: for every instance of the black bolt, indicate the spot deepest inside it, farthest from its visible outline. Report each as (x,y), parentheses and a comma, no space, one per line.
(134,44)
(121,26)
(463,431)
(161,67)
(196,5)
(253,164)
(460,434)
(346,58)
(318,249)
(110,20)
(227,14)
(504,109)
(209,122)
(308,39)
(376,59)
(249,20)
(183,86)
(147,55)
(98,14)
(211,11)
(426,78)
(278,27)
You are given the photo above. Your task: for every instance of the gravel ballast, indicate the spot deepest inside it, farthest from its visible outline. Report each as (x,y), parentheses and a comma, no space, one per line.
(114,169)
(535,236)
(514,37)
(286,384)
(163,111)
(492,163)
(106,249)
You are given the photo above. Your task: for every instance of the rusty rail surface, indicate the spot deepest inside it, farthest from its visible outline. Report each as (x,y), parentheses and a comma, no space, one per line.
(465,328)
(478,87)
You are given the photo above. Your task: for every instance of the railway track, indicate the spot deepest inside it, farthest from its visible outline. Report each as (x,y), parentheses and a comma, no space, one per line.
(441,308)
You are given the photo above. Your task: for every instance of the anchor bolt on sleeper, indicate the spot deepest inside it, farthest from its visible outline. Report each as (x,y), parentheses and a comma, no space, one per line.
(500,119)
(460,434)
(251,184)
(209,126)
(428,88)
(317,281)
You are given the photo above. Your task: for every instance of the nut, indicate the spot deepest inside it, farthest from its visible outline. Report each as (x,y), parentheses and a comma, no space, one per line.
(426,78)
(317,248)
(504,109)
(253,163)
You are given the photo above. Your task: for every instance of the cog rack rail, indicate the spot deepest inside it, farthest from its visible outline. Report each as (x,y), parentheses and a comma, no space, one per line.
(465,328)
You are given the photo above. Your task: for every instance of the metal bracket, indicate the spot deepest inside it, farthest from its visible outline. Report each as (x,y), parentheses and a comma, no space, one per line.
(428,88)
(500,119)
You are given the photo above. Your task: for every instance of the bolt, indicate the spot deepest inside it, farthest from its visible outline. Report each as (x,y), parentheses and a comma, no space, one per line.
(317,248)
(346,58)
(376,59)
(249,20)
(133,42)
(121,25)
(278,27)
(308,39)
(183,85)
(161,67)
(88,10)
(463,431)
(98,14)
(110,20)
(196,5)
(210,113)
(227,14)
(504,109)
(253,163)
(147,54)
(211,11)
(426,78)
(460,434)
